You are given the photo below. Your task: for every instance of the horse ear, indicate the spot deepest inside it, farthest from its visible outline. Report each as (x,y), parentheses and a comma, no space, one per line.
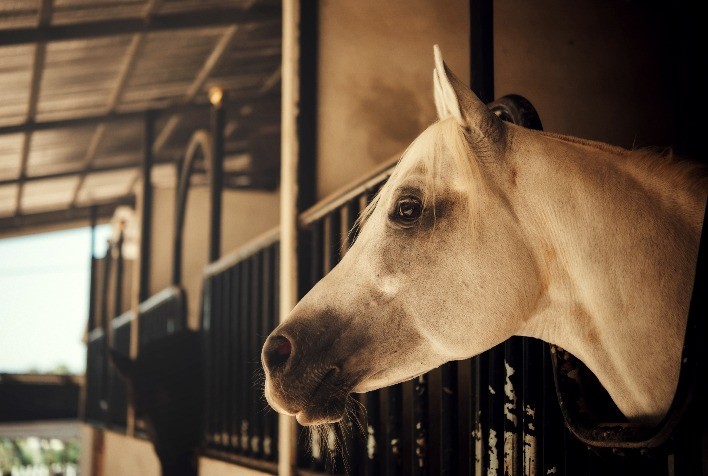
(454,98)
(123,363)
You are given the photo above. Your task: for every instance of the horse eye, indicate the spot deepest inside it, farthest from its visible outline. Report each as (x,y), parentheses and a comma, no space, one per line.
(408,209)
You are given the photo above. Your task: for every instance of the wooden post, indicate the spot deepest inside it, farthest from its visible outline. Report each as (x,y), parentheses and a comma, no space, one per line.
(288,204)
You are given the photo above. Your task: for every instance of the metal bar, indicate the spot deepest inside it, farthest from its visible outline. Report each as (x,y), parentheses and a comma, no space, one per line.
(118,291)
(531,408)
(106,330)
(513,440)
(408,432)
(127,26)
(216,180)
(92,283)
(146,212)
(34,220)
(256,341)
(240,332)
(265,319)
(482,49)
(434,430)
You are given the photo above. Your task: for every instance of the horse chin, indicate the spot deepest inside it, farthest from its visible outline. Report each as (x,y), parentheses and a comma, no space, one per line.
(332,412)
(325,404)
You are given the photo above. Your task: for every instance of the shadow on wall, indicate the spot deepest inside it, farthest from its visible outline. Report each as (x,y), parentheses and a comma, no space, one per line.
(393,115)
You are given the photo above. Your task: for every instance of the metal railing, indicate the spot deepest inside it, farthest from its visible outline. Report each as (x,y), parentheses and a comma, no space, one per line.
(240,308)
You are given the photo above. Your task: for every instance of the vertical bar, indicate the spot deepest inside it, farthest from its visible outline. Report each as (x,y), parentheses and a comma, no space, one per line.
(118,291)
(273,322)
(480,413)
(267,314)
(513,463)
(463,417)
(448,415)
(434,431)
(482,49)
(105,327)
(92,283)
(289,199)
(255,344)
(216,177)
(531,409)
(217,331)
(392,411)
(408,431)
(553,445)
(237,357)
(207,349)
(243,338)
(146,212)
(495,411)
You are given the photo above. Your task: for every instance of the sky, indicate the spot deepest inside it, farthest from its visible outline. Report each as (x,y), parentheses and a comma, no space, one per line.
(44,296)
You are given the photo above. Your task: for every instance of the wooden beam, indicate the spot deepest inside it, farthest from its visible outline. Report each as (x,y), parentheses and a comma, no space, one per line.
(176,108)
(126,26)
(69,173)
(211,62)
(34,220)
(44,17)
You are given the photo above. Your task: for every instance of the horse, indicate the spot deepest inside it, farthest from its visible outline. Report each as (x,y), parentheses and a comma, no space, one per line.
(165,388)
(486,230)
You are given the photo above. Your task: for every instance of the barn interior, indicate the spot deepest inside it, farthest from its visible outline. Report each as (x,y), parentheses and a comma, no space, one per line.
(206,134)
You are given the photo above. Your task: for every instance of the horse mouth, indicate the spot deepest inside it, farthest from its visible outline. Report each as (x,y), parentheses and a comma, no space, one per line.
(327,402)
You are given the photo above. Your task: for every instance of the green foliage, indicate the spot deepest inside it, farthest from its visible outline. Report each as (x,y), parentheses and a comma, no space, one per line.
(34,451)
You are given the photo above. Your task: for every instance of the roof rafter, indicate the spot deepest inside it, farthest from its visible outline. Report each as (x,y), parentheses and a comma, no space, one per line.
(33,220)
(211,62)
(127,26)
(40,54)
(129,60)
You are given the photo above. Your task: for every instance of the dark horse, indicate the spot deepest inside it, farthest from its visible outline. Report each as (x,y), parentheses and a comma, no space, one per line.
(165,387)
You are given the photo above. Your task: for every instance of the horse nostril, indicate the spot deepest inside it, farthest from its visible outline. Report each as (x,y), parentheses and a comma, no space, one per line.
(277,352)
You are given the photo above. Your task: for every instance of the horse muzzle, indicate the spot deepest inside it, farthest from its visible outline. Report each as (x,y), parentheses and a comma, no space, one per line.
(303,380)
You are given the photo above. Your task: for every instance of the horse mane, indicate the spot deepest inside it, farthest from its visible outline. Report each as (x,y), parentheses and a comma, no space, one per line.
(682,173)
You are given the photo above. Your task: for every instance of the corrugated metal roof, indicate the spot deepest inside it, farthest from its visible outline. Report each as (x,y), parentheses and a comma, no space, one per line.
(76,75)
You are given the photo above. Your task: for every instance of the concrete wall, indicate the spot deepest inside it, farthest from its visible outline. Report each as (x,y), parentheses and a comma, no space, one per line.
(375,79)
(123,455)
(246,214)
(596,70)
(212,467)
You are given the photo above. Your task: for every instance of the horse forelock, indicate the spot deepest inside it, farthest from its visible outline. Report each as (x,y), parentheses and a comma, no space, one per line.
(443,140)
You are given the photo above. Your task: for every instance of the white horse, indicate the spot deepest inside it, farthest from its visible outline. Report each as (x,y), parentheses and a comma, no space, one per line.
(487,230)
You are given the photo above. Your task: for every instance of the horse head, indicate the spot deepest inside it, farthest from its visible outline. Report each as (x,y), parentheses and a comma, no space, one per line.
(432,250)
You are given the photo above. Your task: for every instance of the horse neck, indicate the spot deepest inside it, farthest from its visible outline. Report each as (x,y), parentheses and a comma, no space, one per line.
(616,259)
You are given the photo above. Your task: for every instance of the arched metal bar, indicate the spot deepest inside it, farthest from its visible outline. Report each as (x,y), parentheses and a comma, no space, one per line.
(201,141)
